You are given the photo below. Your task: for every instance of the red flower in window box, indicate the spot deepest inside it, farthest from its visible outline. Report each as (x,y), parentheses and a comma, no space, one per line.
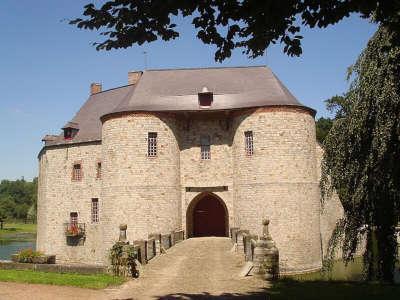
(74,229)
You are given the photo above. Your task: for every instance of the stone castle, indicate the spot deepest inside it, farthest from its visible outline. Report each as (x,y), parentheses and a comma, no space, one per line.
(202,150)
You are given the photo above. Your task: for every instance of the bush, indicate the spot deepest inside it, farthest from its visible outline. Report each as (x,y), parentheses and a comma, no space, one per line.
(28,255)
(123,260)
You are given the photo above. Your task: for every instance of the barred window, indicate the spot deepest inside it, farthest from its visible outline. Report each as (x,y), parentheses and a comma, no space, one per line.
(98,170)
(205,152)
(95,210)
(77,172)
(73,218)
(248,141)
(152,144)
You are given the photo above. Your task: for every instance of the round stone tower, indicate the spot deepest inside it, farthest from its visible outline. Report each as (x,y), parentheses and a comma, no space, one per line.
(279,181)
(138,189)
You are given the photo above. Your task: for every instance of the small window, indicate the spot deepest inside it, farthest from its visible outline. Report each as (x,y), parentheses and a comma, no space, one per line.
(152,144)
(205,152)
(95,210)
(68,133)
(77,172)
(248,142)
(73,218)
(205,98)
(98,170)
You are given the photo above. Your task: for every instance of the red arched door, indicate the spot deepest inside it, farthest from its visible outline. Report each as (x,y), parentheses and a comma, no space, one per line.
(209,217)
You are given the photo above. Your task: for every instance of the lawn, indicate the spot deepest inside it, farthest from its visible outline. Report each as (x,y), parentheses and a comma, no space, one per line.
(95,281)
(18,231)
(331,290)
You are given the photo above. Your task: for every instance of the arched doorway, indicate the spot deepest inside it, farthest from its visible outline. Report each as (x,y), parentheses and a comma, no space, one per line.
(207,215)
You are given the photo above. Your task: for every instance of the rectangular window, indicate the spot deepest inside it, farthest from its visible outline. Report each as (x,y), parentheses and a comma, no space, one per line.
(248,142)
(205,148)
(152,144)
(95,210)
(73,218)
(98,170)
(77,172)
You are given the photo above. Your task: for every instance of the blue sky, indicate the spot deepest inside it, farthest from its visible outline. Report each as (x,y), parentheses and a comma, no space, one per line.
(46,67)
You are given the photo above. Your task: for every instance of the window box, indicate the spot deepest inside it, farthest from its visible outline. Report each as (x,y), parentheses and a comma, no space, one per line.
(74,229)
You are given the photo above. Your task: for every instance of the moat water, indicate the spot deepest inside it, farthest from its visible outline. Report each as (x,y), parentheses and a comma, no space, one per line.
(13,244)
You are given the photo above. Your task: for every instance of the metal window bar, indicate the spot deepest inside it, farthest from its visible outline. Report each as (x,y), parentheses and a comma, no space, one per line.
(77,172)
(205,148)
(95,210)
(249,146)
(152,144)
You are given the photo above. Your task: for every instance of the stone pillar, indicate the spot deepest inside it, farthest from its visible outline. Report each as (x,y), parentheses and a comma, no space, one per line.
(266,255)
(122,233)
(157,238)
(233,234)
(240,236)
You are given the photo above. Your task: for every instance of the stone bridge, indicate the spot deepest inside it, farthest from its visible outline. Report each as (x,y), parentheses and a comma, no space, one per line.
(197,268)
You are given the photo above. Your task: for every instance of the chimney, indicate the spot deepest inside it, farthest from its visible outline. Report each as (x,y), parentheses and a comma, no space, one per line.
(134,76)
(95,88)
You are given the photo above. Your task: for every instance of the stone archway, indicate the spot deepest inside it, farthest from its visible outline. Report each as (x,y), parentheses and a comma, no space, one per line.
(207,215)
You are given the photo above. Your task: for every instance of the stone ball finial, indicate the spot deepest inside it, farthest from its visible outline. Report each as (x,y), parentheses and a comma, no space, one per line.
(265,221)
(123,227)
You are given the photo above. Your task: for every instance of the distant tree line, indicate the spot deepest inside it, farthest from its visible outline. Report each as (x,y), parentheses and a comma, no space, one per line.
(18,199)
(336,106)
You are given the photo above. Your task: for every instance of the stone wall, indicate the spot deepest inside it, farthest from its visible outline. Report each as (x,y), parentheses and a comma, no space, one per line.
(58,195)
(280,182)
(137,190)
(214,175)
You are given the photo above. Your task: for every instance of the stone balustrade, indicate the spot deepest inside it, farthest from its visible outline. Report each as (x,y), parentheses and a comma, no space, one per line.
(259,250)
(156,243)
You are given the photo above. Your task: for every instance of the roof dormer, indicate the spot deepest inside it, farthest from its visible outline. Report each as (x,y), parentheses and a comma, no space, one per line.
(70,130)
(205,98)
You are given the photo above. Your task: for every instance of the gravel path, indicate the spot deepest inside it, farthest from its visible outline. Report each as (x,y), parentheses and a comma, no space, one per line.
(200,268)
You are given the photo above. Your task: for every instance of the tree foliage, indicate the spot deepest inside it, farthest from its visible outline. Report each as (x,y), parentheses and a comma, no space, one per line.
(227,24)
(323,125)
(362,150)
(17,198)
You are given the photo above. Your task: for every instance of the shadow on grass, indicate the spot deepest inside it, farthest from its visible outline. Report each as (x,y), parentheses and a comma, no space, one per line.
(310,290)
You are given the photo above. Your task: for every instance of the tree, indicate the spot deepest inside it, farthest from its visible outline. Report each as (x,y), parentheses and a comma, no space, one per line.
(323,125)
(362,150)
(228,24)
(16,198)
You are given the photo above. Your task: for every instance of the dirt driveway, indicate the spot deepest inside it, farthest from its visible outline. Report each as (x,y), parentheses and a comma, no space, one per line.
(200,268)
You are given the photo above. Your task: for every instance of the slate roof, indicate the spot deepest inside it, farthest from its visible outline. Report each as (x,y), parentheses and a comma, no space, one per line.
(177,90)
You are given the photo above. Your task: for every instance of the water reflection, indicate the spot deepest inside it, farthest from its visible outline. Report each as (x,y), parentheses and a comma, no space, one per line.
(14,243)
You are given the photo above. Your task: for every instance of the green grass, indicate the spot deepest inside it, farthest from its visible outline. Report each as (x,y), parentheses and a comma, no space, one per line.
(18,231)
(18,228)
(331,290)
(95,281)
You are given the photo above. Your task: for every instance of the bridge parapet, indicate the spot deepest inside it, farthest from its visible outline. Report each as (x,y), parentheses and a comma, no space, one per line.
(261,251)
(155,245)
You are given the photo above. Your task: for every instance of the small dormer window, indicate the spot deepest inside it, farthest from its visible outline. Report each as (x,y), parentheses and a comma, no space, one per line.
(205,98)
(70,130)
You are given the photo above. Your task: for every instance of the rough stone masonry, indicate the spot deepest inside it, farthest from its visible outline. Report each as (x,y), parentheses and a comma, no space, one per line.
(201,150)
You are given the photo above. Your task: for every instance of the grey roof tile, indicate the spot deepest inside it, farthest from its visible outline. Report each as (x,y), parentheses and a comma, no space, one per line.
(177,90)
